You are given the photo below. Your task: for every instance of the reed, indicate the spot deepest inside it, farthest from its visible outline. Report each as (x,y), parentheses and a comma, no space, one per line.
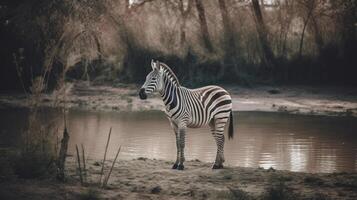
(79,165)
(84,164)
(111,169)
(105,156)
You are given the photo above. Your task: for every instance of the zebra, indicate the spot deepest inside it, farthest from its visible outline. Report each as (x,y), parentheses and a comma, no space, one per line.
(190,108)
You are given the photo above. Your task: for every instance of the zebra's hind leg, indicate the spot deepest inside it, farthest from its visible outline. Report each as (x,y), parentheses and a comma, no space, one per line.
(217,128)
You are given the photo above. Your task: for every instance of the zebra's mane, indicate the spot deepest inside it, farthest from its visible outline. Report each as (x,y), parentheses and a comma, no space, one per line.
(170,74)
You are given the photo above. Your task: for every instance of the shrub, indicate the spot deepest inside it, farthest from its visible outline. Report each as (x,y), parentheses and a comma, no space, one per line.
(278,191)
(33,164)
(89,194)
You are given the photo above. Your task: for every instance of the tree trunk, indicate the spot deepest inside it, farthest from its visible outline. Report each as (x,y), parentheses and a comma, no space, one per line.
(184,14)
(183,33)
(262,5)
(317,34)
(268,55)
(283,49)
(303,32)
(229,41)
(99,47)
(127,5)
(203,25)
(62,155)
(229,44)
(349,18)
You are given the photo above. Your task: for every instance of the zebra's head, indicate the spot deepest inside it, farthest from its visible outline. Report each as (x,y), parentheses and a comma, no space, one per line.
(154,80)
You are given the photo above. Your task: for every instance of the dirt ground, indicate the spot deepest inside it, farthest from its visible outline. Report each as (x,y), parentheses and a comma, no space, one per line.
(154,179)
(334,101)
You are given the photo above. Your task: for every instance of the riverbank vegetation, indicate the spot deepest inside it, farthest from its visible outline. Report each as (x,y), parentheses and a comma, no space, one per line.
(239,42)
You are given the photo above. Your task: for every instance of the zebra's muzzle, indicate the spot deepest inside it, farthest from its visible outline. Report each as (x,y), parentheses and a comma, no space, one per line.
(142,93)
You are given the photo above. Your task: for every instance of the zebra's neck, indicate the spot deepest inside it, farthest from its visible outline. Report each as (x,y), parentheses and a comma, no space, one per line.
(169,92)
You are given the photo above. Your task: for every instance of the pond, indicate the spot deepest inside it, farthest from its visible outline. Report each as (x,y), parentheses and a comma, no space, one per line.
(261,139)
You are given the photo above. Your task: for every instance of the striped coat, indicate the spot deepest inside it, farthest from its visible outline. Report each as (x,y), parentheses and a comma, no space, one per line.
(190,108)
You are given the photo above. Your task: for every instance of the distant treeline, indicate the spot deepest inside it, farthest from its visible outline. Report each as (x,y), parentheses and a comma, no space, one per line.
(228,41)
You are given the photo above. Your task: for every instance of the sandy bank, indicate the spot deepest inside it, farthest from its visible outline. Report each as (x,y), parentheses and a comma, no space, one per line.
(335,101)
(153,179)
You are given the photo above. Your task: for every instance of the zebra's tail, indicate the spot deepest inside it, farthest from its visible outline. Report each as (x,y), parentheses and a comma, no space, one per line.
(230,129)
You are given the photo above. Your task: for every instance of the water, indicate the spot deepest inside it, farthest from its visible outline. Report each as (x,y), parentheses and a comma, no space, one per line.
(283,141)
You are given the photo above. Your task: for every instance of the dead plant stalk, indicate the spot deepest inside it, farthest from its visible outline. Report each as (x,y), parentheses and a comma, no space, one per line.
(105,156)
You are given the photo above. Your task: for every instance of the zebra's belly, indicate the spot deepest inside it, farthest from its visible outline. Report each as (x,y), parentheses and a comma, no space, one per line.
(195,125)
(198,123)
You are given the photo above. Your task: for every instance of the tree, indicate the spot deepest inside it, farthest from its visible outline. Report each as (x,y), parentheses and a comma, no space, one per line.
(349,18)
(286,13)
(308,6)
(268,55)
(184,13)
(229,40)
(203,25)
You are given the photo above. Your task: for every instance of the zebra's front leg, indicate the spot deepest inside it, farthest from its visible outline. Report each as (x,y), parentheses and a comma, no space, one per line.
(182,135)
(175,166)
(174,126)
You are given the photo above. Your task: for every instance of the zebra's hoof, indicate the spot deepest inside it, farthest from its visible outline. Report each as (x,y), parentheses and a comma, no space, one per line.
(174,166)
(217,166)
(180,167)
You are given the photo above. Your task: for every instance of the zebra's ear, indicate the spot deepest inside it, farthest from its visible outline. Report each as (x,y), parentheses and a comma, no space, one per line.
(153,64)
(161,70)
(158,65)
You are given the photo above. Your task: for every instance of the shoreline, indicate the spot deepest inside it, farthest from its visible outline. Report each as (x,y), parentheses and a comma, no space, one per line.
(325,101)
(144,178)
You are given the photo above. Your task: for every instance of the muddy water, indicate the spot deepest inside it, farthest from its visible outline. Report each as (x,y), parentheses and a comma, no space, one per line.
(282,141)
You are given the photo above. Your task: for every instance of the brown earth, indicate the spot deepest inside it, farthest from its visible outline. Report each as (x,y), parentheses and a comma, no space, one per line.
(154,179)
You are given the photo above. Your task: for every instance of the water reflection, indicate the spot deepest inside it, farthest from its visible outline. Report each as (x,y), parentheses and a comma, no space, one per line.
(289,142)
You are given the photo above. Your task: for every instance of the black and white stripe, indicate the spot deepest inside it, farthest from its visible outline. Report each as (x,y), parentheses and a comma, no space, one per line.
(190,108)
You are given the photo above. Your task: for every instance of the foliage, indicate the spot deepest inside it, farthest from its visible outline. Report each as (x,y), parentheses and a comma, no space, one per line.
(288,41)
(36,153)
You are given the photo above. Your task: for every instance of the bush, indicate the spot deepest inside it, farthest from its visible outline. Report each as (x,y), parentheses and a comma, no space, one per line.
(6,169)
(33,164)
(279,191)
(239,194)
(89,194)
(311,180)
